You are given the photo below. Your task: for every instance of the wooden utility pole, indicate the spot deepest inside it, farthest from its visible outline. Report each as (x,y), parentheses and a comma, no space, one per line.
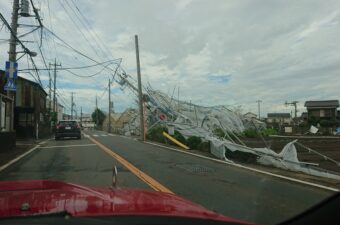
(109,128)
(50,88)
(96,113)
(54,83)
(140,93)
(71,105)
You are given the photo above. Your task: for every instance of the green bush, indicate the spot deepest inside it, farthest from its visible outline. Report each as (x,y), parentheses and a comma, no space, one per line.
(268,131)
(312,120)
(156,134)
(204,146)
(251,133)
(193,142)
(179,137)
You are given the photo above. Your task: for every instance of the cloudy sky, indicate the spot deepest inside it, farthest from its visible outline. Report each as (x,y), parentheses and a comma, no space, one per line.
(216,52)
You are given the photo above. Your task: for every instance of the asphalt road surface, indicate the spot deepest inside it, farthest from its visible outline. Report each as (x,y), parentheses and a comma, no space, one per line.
(227,189)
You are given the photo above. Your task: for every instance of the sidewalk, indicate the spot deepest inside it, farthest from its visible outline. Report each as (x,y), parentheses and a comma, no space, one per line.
(22,146)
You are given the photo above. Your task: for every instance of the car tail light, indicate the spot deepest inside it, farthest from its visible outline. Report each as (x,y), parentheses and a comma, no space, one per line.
(77,126)
(58,126)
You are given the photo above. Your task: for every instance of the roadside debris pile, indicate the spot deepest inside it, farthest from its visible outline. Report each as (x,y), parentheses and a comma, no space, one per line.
(193,120)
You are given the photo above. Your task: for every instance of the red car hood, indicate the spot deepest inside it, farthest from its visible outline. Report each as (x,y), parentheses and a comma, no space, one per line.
(18,198)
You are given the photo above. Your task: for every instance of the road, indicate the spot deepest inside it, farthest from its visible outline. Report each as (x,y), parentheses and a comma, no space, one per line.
(224,188)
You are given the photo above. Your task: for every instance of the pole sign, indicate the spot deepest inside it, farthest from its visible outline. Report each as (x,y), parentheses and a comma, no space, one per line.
(11,74)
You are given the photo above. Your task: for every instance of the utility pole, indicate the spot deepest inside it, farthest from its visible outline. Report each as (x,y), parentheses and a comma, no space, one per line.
(50,87)
(259,108)
(140,94)
(97,112)
(72,104)
(293,103)
(109,128)
(81,114)
(54,83)
(12,57)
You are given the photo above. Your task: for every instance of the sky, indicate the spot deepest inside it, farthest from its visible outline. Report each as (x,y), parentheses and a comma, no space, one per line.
(210,52)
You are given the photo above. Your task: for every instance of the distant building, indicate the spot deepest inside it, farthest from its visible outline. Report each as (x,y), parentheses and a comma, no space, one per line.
(119,120)
(326,110)
(250,115)
(66,116)
(279,118)
(60,112)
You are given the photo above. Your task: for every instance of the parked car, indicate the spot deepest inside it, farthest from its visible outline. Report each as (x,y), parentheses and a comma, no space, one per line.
(67,128)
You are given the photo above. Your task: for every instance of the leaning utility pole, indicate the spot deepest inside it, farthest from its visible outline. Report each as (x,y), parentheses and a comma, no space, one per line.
(259,108)
(109,128)
(140,94)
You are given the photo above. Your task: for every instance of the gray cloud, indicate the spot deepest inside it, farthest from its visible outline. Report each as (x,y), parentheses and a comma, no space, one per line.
(274,50)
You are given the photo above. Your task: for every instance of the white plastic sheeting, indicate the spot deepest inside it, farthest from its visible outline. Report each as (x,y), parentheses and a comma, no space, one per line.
(193,120)
(287,159)
(217,148)
(182,112)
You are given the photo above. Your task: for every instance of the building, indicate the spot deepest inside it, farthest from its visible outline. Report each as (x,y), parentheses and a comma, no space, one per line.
(279,118)
(60,112)
(30,112)
(324,110)
(250,115)
(119,120)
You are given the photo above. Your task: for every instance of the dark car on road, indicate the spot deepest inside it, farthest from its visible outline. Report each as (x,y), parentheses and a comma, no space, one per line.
(67,128)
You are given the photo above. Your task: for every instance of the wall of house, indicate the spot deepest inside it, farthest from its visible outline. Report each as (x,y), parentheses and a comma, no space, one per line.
(323,113)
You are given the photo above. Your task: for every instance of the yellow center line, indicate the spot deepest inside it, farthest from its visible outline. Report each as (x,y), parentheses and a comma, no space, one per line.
(140,174)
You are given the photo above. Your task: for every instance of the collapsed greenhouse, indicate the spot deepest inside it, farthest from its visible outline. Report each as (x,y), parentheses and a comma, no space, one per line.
(193,120)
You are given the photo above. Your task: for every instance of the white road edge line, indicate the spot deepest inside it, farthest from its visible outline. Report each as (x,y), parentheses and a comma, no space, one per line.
(19,157)
(65,146)
(249,168)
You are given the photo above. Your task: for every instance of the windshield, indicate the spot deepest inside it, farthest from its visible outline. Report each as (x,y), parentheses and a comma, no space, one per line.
(231,105)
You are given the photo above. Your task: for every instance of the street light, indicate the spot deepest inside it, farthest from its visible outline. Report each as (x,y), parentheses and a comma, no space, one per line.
(26,51)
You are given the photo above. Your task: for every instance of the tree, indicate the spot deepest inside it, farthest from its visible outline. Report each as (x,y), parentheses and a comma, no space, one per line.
(101,117)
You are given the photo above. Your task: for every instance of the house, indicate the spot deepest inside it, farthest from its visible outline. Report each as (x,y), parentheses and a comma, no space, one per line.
(279,118)
(114,118)
(250,115)
(325,110)
(119,120)
(30,113)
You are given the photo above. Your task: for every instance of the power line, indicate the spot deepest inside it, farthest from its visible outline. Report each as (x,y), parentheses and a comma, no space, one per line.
(77,51)
(49,14)
(82,67)
(91,32)
(76,25)
(88,76)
